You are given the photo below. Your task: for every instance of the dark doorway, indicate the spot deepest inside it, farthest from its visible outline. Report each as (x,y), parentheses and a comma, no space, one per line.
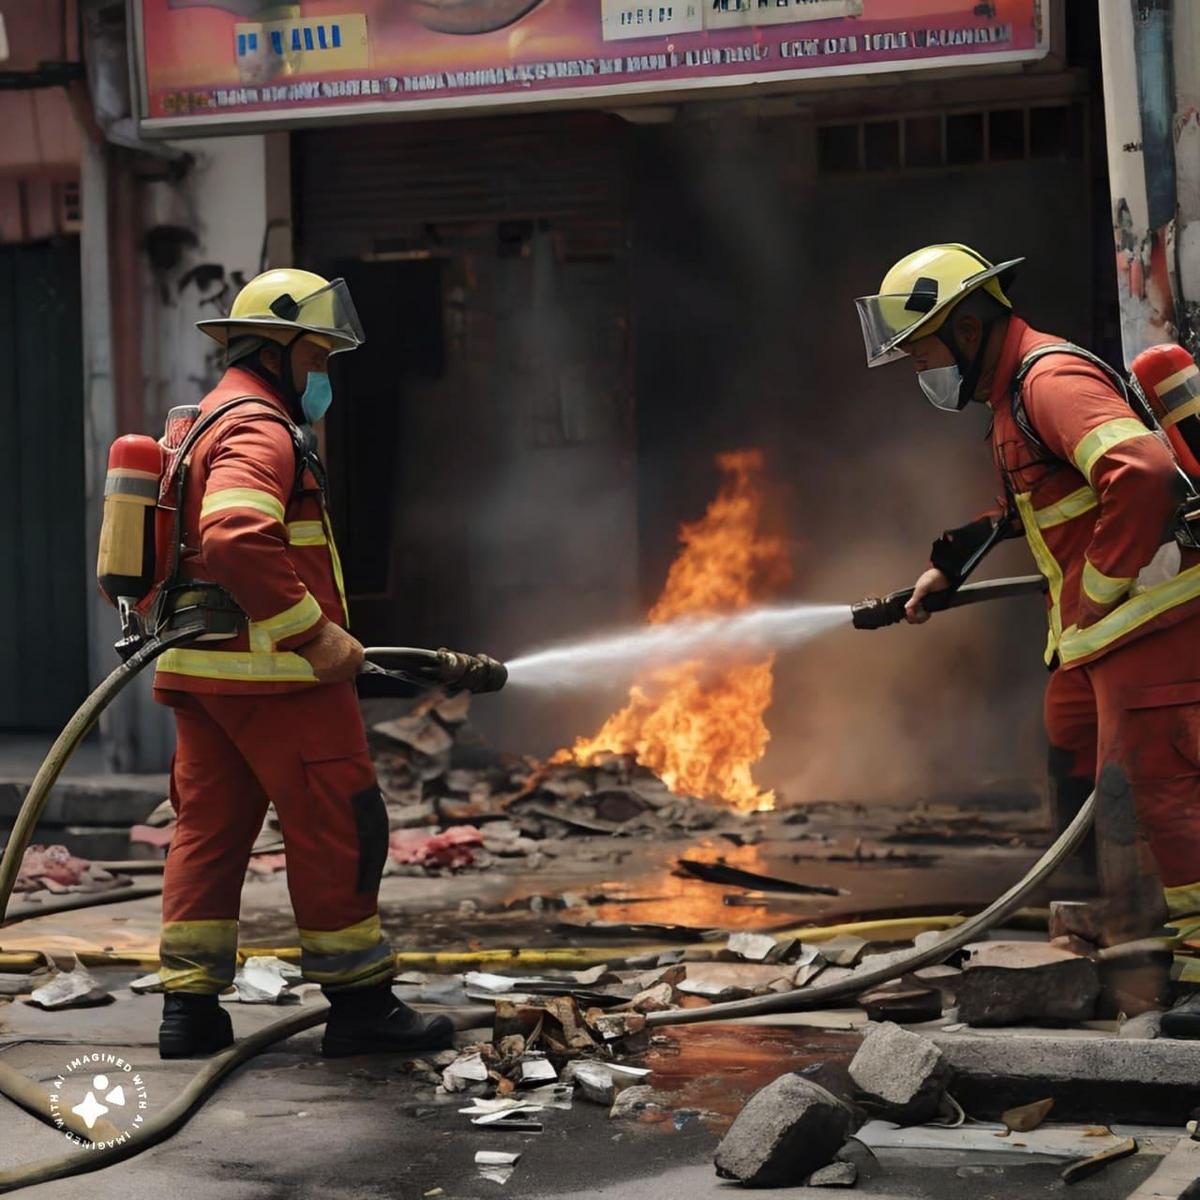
(43,657)
(400,303)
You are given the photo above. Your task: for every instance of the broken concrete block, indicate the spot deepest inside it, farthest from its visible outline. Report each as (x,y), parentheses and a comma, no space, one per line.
(837,1174)
(787,1130)
(1005,983)
(900,1075)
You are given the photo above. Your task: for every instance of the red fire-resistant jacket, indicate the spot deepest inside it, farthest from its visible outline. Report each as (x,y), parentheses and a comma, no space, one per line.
(1095,501)
(250,527)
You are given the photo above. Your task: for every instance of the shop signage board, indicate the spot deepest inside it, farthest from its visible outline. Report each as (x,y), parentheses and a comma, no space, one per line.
(254,63)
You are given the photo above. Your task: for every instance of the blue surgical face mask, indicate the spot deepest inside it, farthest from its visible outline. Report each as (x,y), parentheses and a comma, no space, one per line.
(317,396)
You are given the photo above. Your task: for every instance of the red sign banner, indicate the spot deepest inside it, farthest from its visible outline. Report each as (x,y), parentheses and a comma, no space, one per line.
(256,63)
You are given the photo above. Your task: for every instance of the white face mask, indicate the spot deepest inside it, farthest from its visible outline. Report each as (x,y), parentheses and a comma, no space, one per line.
(941,386)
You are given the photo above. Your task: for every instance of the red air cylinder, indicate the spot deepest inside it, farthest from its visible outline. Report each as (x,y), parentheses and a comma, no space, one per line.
(125,563)
(1170,379)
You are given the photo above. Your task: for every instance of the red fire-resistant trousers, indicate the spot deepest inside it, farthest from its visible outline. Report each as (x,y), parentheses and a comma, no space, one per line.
(1138,709)
(306,752)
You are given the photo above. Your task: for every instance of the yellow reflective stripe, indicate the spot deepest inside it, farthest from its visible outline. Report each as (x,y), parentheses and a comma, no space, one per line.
(1137,610)
(198,956)
(1048,565)
(263,502)
(260,639)
(360,936)
(352,957)
(279,667)
(306,533)
(302,615)
(1068,508)
(1190,409)
(1094,445)
(1183,901)
(336,563)
(1104,589)
(1173,381)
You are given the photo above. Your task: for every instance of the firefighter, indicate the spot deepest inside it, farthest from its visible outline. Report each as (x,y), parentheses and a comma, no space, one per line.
(272,715)
(1095,493)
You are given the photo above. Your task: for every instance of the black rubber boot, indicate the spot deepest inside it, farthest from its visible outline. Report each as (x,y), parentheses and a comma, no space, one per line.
(194,1025)
(370,1020)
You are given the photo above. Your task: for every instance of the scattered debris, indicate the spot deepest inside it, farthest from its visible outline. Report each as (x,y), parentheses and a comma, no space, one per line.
(55,869)
(756,947)
(264,979)
(787,1130)
(1005,983)
(537,1069)
(634,1100)
(21,985)
(1087,1167)
(1027,1117)
(73,989)
(896,1002)
(496,1165)
(602,1082)
(900,1075)
(844,951)
(837,1174)
(452,849)
(464,1071)
(720,872)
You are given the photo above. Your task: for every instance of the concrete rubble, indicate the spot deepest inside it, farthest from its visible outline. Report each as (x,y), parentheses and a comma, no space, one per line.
(899,1075)
(1006,983)
(786,1131)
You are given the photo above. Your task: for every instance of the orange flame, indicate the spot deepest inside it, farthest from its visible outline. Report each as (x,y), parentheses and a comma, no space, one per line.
(702,730)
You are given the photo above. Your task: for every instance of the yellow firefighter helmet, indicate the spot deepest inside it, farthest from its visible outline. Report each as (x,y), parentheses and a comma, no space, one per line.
(918,293)
(280,303)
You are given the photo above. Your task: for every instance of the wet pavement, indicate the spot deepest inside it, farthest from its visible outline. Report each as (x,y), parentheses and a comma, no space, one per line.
(291,1124)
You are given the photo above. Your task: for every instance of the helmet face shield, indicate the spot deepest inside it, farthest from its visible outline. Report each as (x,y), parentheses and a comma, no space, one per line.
(328,311)
(886,321)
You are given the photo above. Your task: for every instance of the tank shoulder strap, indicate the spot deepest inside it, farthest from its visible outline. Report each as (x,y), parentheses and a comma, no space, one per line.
(1017,388)
(303,441)
(303,444)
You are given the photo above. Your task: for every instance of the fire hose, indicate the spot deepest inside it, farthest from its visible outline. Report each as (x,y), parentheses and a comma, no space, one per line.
(486,675)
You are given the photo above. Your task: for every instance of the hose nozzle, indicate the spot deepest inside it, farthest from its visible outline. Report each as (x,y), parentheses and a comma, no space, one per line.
(437,668)
(471,672)
(878,612)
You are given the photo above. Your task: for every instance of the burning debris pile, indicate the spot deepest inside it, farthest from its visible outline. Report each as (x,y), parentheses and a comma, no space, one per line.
(703,729)
(678,755)
(452,803)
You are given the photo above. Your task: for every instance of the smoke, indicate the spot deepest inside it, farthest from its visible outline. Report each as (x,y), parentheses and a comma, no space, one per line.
(737,297)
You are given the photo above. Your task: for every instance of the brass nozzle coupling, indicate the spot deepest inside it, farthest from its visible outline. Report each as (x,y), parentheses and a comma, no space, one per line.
(472,672)
(878,612)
